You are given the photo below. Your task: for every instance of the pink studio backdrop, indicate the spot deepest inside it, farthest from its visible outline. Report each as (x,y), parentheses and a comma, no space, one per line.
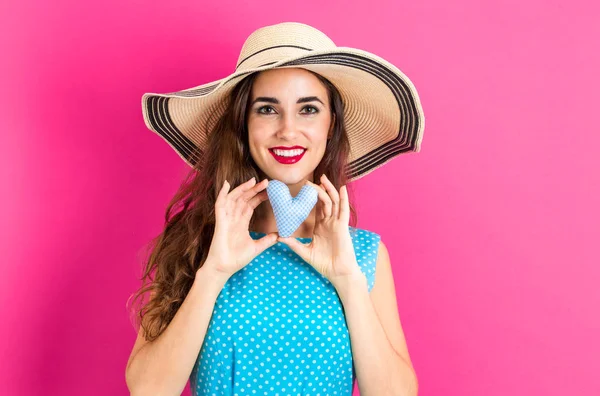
(492,229)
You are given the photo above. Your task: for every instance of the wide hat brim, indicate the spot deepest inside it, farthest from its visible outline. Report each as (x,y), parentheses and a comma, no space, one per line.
(382,110)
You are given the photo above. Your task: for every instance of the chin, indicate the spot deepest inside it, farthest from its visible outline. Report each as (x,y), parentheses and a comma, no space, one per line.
(288,174)
(289,178)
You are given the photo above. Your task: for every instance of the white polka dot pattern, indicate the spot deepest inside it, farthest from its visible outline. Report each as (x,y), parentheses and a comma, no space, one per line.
(278,328)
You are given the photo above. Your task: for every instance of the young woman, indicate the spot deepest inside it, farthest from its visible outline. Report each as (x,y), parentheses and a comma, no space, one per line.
(236,308)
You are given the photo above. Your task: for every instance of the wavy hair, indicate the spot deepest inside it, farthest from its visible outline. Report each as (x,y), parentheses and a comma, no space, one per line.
(176,254)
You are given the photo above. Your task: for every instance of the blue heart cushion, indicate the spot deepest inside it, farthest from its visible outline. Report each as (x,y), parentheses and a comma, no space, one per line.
(290,212)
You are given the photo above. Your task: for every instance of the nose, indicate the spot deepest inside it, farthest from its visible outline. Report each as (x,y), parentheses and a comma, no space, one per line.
(287,129)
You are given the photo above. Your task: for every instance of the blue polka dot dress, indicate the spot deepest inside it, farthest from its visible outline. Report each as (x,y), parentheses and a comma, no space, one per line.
(278,328)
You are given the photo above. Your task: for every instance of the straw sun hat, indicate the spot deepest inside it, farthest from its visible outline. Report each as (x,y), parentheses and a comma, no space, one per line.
(382,110)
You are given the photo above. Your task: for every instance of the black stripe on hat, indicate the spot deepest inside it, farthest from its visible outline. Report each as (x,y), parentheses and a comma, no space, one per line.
(160,119)
(269,48)
(197,91)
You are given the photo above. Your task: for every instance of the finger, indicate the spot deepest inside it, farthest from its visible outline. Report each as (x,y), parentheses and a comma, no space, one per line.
(333,194)
(221,197)
(324,198)
(251,205)
(251,199)
(235,194)
(320,211)
(344,205)
(258,199)
(327,204)
(298,247)
(239,207)
(247,196)
(265,242)
(239,190)
(323,206)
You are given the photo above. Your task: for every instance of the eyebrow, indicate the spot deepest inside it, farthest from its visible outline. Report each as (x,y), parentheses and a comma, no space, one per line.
(269,99)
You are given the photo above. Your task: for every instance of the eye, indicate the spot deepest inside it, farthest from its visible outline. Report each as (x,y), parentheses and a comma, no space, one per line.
(264,107)
(311,107)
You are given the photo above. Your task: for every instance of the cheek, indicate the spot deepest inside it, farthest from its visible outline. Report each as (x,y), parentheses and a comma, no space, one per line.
(319,136)
(257,129)
(324,128)
(256,141)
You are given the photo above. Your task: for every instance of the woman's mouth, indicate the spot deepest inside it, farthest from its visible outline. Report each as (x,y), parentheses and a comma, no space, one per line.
(287,155)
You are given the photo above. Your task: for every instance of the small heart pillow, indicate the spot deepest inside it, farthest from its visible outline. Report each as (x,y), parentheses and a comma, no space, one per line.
(290,212)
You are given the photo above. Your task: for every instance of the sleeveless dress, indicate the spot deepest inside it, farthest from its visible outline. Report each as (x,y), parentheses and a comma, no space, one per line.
(278,328)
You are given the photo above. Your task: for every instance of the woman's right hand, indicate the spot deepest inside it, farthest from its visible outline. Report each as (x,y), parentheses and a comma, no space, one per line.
(232,247)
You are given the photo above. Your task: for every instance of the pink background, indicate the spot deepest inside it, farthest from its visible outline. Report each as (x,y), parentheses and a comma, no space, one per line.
(493,228)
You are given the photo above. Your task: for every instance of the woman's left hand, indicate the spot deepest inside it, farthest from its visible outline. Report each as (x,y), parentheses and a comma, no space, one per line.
(331,251)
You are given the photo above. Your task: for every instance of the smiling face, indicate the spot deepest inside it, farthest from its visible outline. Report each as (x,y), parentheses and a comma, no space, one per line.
(289,119)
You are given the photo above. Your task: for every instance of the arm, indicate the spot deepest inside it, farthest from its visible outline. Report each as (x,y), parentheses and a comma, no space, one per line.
(163,367)
(383,366)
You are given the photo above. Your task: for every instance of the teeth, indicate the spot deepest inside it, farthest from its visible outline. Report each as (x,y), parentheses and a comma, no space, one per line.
(288,153)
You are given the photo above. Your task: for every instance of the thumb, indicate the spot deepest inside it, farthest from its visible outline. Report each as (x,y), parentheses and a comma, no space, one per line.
(266,242)
(298,247)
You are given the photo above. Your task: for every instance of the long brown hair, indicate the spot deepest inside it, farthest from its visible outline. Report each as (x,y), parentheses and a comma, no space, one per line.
(180,250)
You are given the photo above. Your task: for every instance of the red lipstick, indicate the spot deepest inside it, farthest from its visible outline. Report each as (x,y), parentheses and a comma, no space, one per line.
(287,160)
